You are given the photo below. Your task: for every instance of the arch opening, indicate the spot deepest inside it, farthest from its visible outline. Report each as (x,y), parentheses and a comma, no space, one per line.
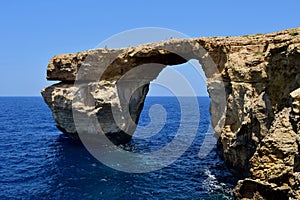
(161,115)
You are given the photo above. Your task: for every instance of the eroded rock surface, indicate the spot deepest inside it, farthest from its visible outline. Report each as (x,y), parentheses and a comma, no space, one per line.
(275,164)
(260,75)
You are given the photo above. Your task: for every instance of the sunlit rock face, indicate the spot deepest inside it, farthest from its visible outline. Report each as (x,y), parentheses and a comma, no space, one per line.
(254,100)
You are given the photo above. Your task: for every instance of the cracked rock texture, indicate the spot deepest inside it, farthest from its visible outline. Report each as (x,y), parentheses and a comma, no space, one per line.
(252,81)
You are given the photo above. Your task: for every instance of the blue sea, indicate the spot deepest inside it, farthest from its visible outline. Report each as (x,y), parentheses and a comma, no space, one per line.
(38,162)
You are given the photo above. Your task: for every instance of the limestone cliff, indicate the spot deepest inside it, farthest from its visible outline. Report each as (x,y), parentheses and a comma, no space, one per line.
(258,126)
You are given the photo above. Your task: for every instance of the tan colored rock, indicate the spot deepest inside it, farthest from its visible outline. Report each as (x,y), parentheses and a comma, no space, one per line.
(258,73)
(100,99)
(295,114)
(274,162)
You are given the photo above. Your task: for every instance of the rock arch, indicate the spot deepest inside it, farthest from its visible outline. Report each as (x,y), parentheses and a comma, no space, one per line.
(127,73)
(258,73)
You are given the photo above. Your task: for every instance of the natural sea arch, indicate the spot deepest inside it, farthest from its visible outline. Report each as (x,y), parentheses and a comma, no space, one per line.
(111,87)
(176,52)
(134,71)
(254,75)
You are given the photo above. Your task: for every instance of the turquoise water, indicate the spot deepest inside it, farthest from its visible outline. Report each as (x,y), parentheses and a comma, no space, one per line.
(38,162)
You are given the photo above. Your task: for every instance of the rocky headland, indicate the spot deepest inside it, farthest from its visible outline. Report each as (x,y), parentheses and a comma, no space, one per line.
(255,100)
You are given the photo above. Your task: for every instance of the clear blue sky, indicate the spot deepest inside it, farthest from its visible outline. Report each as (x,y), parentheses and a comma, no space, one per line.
(33,31)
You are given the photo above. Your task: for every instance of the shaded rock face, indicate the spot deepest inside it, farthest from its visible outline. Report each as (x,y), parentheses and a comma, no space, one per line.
(258,74)
(275,163)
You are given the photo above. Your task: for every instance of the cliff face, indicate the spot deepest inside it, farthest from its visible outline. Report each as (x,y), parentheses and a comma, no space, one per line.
(254,100)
